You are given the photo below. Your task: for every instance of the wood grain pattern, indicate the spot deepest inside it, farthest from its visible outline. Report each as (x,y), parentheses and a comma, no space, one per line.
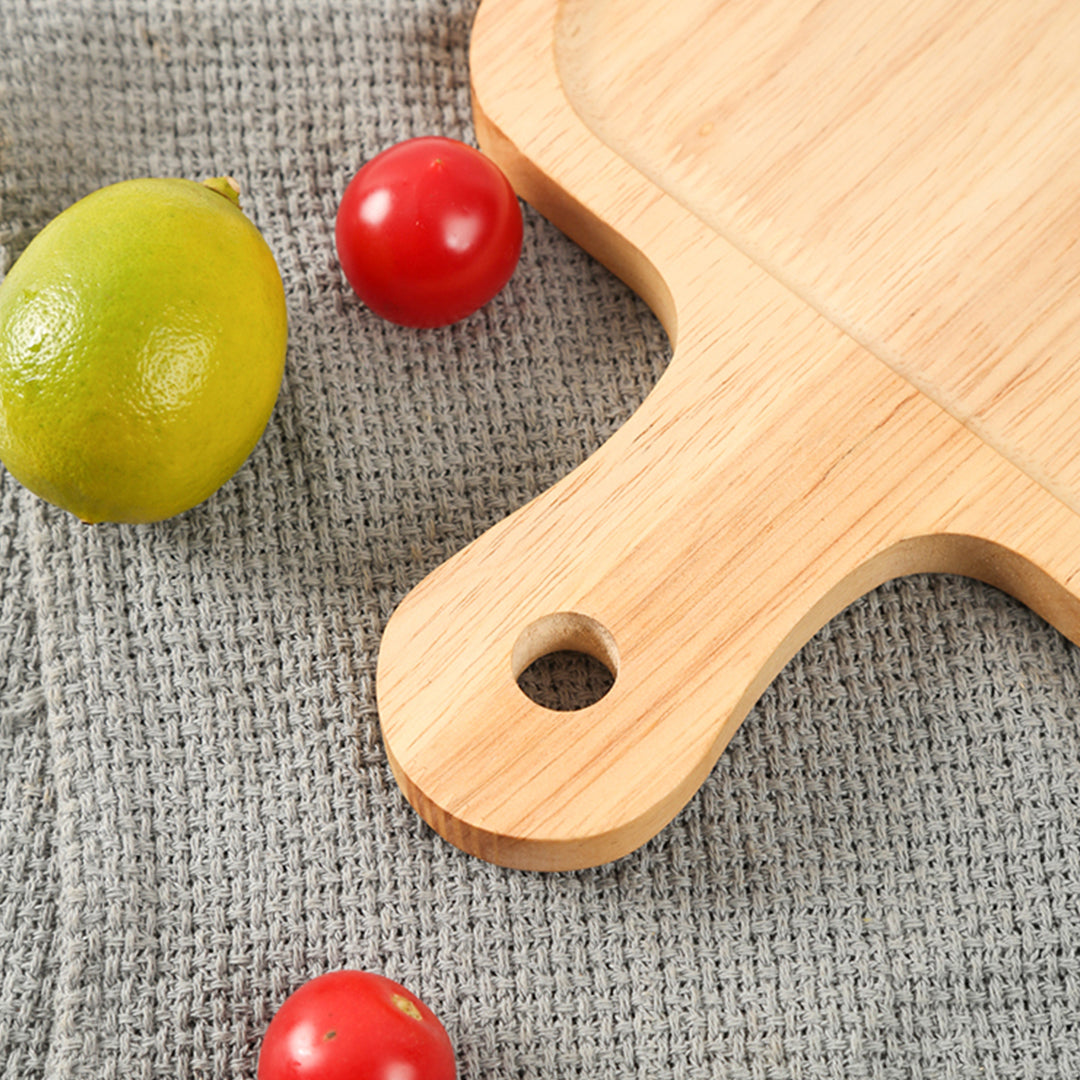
(911,170)
(860,233)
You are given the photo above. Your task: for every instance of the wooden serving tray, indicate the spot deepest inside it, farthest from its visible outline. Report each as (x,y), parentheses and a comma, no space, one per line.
(860,225)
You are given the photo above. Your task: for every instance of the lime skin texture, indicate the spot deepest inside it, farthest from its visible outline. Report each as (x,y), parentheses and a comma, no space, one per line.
(142,346)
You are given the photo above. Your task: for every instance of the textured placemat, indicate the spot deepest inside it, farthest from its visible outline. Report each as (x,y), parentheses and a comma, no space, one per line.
(881,878)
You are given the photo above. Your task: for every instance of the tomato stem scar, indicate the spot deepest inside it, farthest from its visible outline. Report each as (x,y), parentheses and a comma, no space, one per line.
(406,1006)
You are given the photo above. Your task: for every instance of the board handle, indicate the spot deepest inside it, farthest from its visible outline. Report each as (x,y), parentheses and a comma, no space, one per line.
(777,472)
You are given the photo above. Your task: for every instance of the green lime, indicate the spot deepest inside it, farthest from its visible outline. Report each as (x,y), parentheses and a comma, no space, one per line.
(142,345)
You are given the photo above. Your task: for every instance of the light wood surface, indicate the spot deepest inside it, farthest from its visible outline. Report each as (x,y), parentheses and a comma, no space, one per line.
(860,225)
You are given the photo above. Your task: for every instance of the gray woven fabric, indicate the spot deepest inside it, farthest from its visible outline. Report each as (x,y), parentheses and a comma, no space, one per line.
(880,879)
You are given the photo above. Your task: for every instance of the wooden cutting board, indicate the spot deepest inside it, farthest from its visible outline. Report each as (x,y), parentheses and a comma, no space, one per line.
(860,225)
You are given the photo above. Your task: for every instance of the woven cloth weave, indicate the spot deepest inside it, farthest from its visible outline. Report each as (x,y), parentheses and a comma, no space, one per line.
(881,877)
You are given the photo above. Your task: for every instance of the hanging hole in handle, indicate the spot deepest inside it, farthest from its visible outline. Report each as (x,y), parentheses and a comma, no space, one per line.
(565,661)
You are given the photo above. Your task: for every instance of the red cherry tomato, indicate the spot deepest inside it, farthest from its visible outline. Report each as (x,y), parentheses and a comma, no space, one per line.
(428,231)
(348,1025)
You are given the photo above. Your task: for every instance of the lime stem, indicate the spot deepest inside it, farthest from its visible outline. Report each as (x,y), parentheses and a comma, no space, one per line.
(225,185)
